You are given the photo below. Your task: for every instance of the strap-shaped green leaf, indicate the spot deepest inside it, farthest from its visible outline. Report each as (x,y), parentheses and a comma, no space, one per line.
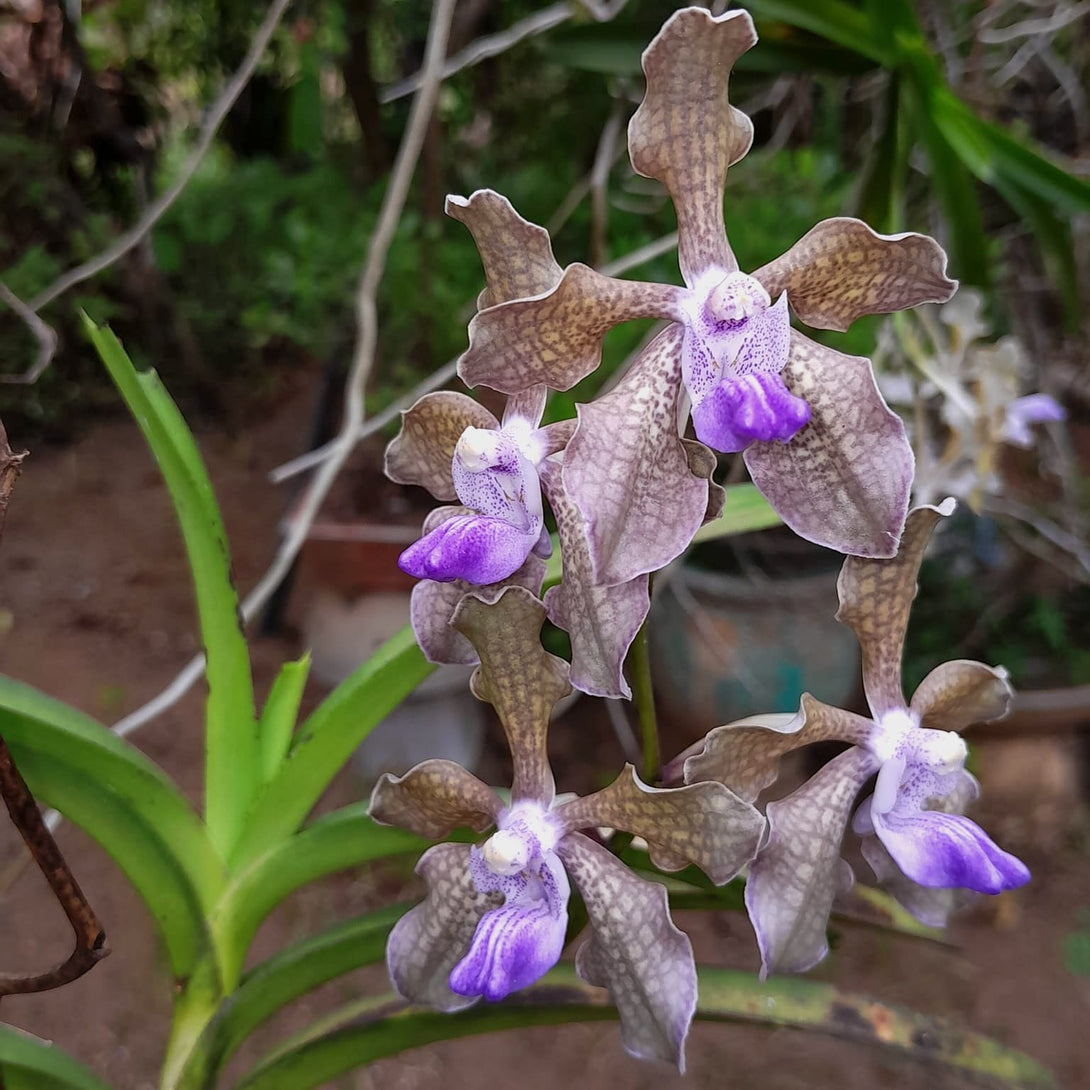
(842,23)
(232,759)
(38,725)
(372,1029)
(146,858)
(277,723)
(336,841)
(29,1063)
(272,985)
(327,739)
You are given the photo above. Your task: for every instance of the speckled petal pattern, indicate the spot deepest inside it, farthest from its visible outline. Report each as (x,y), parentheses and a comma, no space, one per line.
(635,951)
(745,755)
(517,255)
(429,940)
(793,880)
(875,601)
(841,269)
(628,472)
(686,135)
(518,678)
(422,452)
(433,799)
(844,480)
(705,824)
(556,339)
(962,692)
(602,621)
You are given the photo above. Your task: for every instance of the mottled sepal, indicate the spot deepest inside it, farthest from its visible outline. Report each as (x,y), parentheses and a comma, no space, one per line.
(433,799)
(686,135)
(555,339)
(518,678)
(793,881)
(844,480)
(422,452)
(517,255)
(875,601)
(602,621)
(841,269)
(429,940)
(962,692)
(705,824)
(628,471)
(745,755)
(635,951)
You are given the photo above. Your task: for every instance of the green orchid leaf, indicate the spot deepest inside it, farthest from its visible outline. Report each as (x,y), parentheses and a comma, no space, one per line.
(374,1028)
(292,972)
(38,726)
(233,759)
(954,190)
(29,1063)
(145,857)
(277,723)
(835,20)
(328,738)
(345,838)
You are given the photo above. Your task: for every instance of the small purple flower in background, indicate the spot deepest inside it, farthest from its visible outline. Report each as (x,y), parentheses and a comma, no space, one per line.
(914,834)
(819,440)
(495,915)
(1028,410)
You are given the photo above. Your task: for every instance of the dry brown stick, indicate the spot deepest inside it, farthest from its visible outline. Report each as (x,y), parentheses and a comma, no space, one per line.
(90,938)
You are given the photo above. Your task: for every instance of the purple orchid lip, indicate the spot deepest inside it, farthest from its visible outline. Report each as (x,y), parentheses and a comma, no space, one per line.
(747,409)
(496,479)
(516,944)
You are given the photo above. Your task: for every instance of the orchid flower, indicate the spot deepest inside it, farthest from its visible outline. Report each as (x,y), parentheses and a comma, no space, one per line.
(456,449)
(915,836)
(495,916)
(819,441)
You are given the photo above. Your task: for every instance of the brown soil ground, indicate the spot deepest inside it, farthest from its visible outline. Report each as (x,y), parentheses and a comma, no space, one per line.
(100,614)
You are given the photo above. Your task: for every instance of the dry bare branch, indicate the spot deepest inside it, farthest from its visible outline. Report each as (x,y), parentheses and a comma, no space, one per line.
(218,111)
(90,945)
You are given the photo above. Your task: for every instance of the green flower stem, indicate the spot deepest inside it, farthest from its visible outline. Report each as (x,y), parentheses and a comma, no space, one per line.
(639,665)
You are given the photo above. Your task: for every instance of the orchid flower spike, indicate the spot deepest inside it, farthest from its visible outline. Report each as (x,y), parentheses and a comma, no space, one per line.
(495,915)
(915,835)
(456,449)
(819,441)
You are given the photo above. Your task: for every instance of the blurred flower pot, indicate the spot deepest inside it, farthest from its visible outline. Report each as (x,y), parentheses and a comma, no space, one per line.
(728,645)
(352,598)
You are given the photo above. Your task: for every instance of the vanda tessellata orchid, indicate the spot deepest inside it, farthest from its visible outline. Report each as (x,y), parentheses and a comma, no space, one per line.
(915,836)
(495,916)
(457,449)
(819,441)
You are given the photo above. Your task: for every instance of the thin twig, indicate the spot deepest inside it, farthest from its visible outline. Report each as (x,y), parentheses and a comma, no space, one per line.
(362,359)
(90,944)
(45,335)
(155,211)
(1029,28)
(604,157)
(449,369)
(489,46)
